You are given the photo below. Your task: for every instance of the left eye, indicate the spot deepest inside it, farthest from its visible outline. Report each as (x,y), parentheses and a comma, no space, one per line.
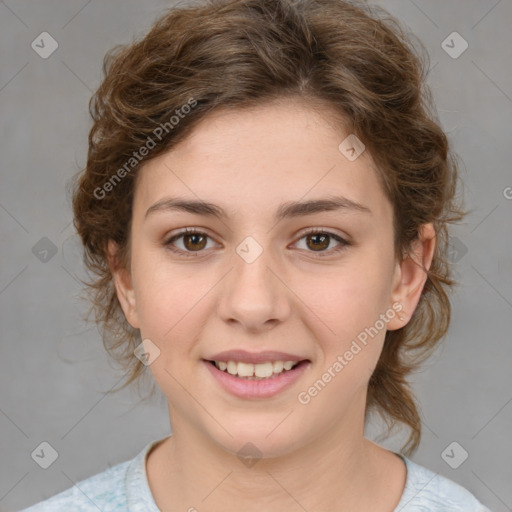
(195,241)
(320,241)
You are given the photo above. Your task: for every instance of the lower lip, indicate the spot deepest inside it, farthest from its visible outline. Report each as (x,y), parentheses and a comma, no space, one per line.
(265,388)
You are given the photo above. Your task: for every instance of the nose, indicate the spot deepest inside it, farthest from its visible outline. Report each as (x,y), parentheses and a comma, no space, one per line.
(254,294)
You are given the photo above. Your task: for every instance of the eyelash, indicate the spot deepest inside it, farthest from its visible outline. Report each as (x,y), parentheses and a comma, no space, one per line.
(342,242)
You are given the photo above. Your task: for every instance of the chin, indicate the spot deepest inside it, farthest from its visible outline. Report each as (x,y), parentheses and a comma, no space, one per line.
(259,438)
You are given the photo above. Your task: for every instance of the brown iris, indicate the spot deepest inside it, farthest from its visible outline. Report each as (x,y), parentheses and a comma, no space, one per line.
(322,238)
(193,239)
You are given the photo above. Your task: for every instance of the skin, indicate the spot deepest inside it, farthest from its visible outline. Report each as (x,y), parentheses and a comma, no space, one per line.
(291,299)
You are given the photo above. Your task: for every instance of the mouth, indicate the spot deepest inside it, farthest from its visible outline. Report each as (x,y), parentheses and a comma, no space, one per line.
(260,371)
(259,380)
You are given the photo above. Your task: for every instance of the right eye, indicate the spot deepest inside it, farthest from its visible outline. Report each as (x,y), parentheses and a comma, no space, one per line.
(193,241)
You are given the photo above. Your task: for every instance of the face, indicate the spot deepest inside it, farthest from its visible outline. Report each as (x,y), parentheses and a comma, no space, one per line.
(308,283)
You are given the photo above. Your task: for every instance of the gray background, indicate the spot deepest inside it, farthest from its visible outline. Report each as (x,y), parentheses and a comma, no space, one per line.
(54,374)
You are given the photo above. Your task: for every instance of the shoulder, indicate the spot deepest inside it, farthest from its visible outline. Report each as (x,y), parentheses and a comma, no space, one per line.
(104,491)
(119,488)
(432,492)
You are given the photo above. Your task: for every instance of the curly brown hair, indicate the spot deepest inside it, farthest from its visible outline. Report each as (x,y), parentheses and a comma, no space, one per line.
(234,54)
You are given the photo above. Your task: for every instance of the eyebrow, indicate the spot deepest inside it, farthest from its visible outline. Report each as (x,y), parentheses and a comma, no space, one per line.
(286,210)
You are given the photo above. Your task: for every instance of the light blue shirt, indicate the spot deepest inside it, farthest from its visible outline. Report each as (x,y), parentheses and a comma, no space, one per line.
(125,488)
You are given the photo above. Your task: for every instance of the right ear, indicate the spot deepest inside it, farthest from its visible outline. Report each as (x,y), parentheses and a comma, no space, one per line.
(124,286)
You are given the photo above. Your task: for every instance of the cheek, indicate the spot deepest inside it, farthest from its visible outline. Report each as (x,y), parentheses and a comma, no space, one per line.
(168,302)
(349,298)
(171,312)
(349,305)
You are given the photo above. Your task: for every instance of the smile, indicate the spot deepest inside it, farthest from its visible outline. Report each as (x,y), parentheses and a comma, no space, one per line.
(256,381)
(258,371)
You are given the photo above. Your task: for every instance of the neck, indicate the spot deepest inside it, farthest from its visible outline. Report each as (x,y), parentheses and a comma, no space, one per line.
(340,470)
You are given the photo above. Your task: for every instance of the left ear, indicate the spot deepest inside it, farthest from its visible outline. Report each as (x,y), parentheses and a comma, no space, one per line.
(410,276)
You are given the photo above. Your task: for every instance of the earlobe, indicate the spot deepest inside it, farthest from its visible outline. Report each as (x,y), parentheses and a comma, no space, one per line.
(411,275)
(123,284)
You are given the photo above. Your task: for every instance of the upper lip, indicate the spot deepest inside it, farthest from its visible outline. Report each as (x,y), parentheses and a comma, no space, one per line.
(243,356)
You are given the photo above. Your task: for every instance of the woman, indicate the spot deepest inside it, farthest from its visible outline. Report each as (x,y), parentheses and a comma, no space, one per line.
(265,205)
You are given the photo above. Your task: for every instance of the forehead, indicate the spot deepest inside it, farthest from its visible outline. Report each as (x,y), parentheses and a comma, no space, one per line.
(251,160)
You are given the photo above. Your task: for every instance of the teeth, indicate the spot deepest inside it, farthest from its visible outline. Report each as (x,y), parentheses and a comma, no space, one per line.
(232,367)
(278,366)
(263,370)
(255,371)
(245,370)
